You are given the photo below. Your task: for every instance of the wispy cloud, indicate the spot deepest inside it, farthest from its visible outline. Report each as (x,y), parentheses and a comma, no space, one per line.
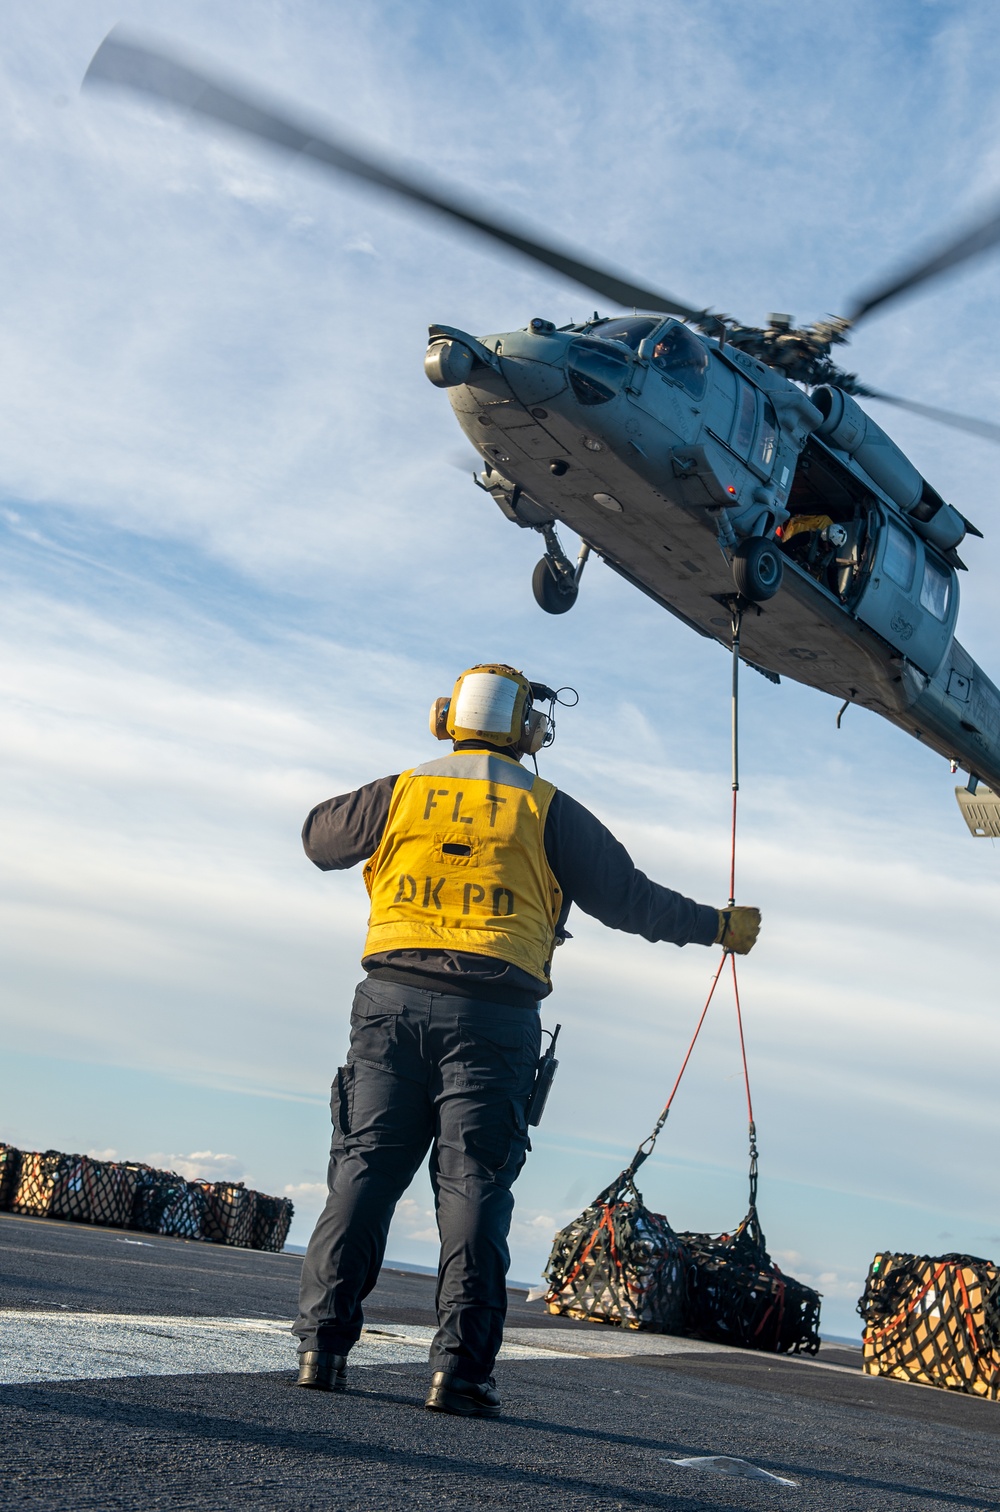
(236,571)
(206,1165)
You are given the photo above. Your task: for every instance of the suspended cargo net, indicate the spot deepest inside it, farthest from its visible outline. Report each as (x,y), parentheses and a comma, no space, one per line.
(737,1295)
(934,1321)
(620,1263)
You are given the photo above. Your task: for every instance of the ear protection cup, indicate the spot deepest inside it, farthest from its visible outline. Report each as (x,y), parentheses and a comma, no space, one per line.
(439,718)
(536,731)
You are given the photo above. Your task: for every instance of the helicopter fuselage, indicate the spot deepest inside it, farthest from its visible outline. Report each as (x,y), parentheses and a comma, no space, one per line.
(666,452)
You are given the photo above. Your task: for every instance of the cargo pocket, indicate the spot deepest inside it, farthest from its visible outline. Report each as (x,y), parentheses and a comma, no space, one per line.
(497,1057)
(497,1139)
(520,1148)
(342,1102)
(375,1031)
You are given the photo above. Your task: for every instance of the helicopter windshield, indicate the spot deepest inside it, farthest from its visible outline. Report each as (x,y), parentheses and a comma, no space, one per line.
(631,330)
(596,373)
(681,356)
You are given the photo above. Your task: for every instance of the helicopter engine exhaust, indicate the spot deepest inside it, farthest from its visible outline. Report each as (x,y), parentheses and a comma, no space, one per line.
(846,426)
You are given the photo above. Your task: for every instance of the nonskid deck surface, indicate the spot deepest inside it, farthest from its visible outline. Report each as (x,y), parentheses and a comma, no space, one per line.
(153,1373)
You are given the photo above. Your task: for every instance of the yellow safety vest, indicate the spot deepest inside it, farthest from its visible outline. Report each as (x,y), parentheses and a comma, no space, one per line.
(462,866)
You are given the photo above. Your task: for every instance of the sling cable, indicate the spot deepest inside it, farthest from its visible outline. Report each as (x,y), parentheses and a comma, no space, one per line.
(620,1263)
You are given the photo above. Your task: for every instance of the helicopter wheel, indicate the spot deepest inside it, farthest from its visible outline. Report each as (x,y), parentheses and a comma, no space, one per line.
(550,592)
(757,569)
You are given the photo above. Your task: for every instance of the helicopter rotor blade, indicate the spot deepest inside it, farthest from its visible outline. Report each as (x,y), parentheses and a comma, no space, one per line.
(972,243)
(124,61)
(986,429)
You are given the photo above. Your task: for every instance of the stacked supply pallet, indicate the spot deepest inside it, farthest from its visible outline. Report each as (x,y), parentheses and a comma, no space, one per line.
(124,1194)
(934,1320)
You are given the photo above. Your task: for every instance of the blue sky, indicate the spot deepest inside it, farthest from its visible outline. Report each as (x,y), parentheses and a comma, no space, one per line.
(237,565)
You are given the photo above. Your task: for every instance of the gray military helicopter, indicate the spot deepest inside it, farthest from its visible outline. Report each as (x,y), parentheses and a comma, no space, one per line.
(719,468)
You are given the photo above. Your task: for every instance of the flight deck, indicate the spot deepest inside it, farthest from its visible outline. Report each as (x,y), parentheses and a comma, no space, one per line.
(143,1372)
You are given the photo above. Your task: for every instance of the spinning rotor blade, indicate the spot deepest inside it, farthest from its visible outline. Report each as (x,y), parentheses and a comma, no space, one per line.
(980,239)
(984,428)
(132,65)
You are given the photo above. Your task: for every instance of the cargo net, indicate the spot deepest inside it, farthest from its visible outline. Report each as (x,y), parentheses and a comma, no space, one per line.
(186,1210)
(737,1295)
(119,1194)
(934,1321)
(36,1180)
(620,1263)
(10,1166)
(271,1221)
(93,1191)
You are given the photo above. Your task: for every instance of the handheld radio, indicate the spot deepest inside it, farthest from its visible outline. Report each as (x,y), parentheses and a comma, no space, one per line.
(544,1077)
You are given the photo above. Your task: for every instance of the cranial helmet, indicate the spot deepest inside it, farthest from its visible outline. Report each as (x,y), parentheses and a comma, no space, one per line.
(491,702)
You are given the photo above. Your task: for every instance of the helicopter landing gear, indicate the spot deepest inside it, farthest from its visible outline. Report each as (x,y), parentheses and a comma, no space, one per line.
(757,569)
(551,593)
(555,581)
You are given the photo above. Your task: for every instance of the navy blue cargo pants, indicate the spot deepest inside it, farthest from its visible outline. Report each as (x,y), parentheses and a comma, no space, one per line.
(425,1071)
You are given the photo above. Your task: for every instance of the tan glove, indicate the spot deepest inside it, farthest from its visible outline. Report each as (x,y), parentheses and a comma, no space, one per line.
(738,929)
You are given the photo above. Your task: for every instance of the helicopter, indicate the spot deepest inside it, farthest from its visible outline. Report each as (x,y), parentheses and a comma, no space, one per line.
(726,471)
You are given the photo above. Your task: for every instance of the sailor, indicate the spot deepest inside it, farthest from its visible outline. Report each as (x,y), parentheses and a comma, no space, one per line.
(472,863)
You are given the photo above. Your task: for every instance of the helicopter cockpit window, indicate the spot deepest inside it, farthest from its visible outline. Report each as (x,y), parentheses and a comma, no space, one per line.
(935,590)
(900,556)
(596,373)
(763,452)
(631,331)
(681,356)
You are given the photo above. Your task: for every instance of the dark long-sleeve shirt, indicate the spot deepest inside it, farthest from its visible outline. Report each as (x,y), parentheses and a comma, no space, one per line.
(593,869)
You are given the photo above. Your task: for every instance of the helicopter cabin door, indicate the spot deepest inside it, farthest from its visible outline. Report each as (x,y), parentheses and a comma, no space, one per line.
(910,596)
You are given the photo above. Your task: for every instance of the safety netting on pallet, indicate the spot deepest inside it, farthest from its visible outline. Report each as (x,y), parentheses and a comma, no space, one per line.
(935,1321)
(271,1219)
(187,1209)
(10,1166)
(36,1182)
(83,1189)
(93,1191)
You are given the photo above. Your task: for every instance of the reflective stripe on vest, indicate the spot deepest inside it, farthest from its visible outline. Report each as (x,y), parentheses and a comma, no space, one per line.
(462,865)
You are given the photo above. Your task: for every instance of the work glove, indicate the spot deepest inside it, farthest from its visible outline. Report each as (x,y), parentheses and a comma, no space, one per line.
(738,929)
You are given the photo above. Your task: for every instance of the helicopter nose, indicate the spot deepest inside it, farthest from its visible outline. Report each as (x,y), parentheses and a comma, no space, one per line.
(533,361)
(535,379)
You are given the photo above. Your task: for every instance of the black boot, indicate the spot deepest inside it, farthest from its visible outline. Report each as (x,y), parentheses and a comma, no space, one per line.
(319,1370)
(450,1393)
